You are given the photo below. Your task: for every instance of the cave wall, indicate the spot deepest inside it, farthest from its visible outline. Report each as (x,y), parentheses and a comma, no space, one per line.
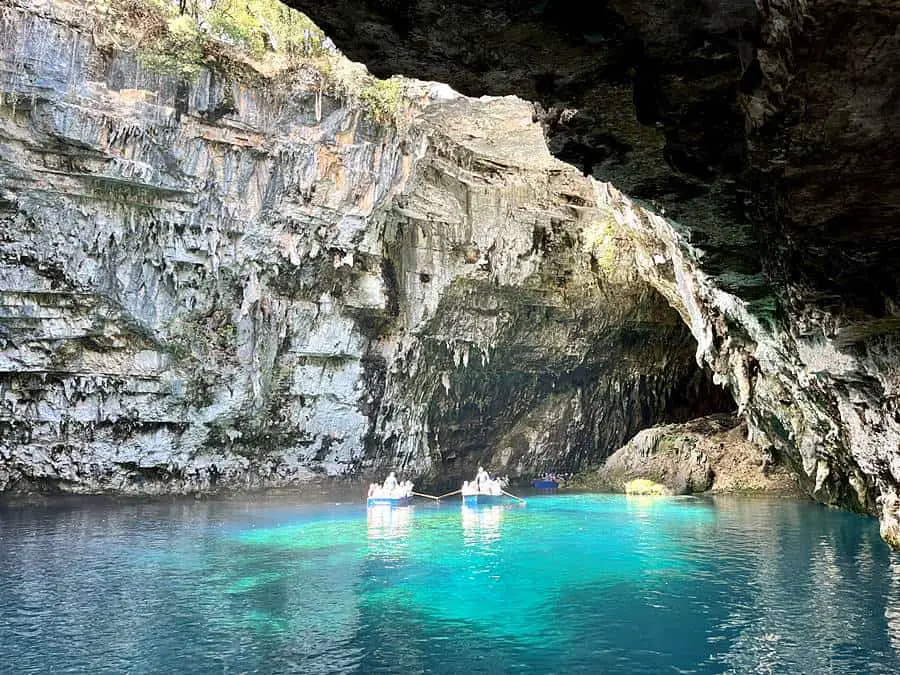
(533,343)
(168,270)
(764,133)
(649,95)
(248,283)
(766,127)
(827,408)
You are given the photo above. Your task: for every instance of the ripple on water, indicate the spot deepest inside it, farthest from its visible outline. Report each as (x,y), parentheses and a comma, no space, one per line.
(574,583)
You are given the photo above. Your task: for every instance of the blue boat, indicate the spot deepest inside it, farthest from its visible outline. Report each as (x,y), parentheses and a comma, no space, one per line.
(481,500)
(544,484)
(388,501)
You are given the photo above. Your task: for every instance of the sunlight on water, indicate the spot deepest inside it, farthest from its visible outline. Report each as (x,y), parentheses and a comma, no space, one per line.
(574,583)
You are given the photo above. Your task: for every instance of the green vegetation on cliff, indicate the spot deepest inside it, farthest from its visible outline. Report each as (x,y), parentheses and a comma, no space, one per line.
(266,26)
(382,99)
(177,51)
(246,39)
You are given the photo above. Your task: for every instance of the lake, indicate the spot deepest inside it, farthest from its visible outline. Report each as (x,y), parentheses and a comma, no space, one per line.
(567,583)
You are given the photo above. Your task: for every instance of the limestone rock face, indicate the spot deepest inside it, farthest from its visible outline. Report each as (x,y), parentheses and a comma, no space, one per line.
(766,127)
(765,132)
(222,283)
(169,273)
(662,456)
(824,405)
(708,453)
(531,340)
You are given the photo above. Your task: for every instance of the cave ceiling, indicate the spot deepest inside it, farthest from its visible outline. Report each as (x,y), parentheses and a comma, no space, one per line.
(768,129)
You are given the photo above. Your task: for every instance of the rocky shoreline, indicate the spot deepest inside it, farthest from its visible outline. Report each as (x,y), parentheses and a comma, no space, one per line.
(706,455)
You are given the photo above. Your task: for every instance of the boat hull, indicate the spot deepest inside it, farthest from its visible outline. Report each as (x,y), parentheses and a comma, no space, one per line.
(545,484)
(388,501)
(481,500)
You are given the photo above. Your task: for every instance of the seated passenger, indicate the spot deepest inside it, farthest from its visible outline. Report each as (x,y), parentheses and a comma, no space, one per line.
(487,484)
(373,489)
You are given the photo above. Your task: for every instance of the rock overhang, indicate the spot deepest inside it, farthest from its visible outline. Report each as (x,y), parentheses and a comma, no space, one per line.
(764,133)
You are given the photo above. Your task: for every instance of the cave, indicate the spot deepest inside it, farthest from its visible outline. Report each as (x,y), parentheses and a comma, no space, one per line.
(536,338)
(754,206)
(764,135)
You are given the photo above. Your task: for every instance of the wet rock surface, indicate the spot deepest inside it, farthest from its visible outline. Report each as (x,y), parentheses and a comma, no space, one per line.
(534,342)
(765,134)
(711,453)
(251,284)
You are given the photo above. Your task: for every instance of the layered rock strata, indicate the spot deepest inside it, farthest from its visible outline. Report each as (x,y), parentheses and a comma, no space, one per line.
(532,340)
(765,133)
(239,283)
(823,405)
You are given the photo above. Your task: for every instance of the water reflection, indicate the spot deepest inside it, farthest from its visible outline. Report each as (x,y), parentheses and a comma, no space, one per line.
(570,584)
(270,592)
(644,503)
(481,524)
(388,522)
(892,609)
(802,587)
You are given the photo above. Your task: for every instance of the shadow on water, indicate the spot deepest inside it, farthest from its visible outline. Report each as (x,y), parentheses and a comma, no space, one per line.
(567,583)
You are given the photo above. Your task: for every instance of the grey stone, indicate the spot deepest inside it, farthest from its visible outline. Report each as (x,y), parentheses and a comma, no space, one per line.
(275,297)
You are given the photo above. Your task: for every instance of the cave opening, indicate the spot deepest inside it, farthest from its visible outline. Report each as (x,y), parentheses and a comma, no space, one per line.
(531,408)
(224,282)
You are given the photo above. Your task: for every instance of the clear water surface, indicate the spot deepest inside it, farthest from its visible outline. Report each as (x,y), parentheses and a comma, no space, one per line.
(574,583)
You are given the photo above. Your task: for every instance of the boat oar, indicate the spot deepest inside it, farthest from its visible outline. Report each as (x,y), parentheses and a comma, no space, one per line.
(450,494)
(419,494)
(512,495)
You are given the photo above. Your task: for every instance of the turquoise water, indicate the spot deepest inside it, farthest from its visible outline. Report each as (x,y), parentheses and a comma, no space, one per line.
(575,583)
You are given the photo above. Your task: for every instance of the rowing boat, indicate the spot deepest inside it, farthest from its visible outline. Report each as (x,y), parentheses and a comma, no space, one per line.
(479,499)
(389,501)
(544,484)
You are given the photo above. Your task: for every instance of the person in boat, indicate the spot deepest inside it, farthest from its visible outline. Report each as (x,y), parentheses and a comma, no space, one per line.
(390,483)
(373,489)
(494,488)
(468,488)
(482,479)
